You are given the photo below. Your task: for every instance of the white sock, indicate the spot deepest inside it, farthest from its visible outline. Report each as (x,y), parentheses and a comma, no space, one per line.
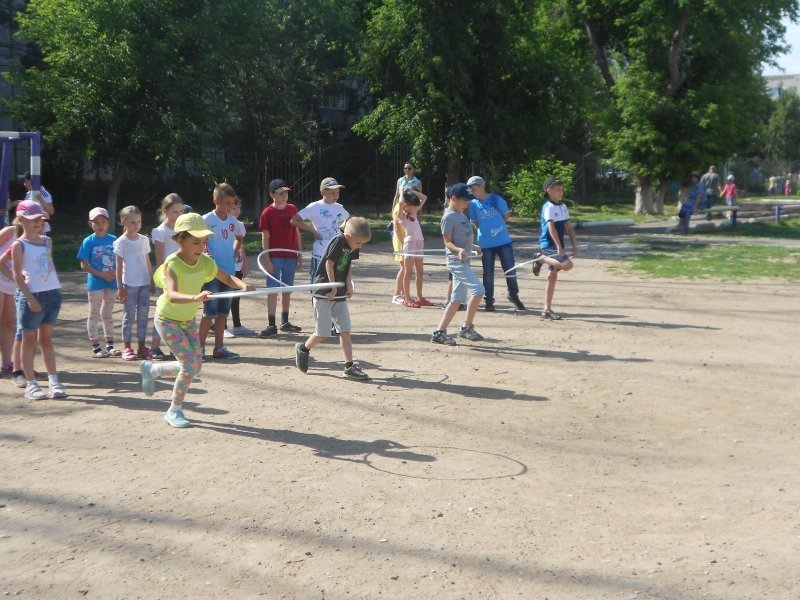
(32,383)
(52,379)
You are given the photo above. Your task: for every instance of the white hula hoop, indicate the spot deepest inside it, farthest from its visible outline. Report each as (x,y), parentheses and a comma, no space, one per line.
(285,289)
(267,251)
(527,262)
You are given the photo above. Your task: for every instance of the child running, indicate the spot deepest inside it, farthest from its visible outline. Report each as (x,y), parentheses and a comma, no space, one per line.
(407,220)
(134,275)
(330,306)
(98,261)
(458,234)
(278,232)
(38,297)
(182,277)
(172,206)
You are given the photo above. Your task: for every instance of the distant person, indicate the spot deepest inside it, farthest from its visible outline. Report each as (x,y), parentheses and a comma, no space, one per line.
(729,191)
(43,198)
(713,187)
(490,213)
(771,184)
(409,180)
(695,196)
(787,186)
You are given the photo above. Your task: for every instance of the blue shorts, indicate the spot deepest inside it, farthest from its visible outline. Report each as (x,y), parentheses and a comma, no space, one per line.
(464,279)
(284,270)
(220,307)
(27,320)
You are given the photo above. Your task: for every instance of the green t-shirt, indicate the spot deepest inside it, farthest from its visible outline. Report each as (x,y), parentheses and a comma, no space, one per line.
(191,279)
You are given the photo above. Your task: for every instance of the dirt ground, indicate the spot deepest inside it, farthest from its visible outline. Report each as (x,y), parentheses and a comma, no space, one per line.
(646,446)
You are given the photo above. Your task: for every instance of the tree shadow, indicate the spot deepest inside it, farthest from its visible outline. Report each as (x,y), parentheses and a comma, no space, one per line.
(578,356)
(587,318)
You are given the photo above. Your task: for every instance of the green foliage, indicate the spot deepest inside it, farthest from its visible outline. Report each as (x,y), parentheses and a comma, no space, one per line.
(782,132)
(524,185)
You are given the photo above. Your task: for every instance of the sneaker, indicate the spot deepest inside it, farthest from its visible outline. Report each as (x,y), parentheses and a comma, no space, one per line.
(514,299)
(489,307)
(440,337)
(410,303)
(18,379)
(128,354)
(176,419)
(242,330)
(111,351)
(57,391)
(424,301)
(158,354)
(228,334)
(398,300)
(537,266)
(334,331)
(355,372)
(289,328)
(462,307)
(269,331)
(99,353)
(34,392)
(469,333)
(223,352)
(301,357)
(144,353)
(549,314)
(148,381)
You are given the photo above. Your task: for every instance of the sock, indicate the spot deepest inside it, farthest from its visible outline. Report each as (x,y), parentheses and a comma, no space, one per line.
(96,347)
(52,379)
(173,409)
(32,383)
(271,320)
(284,317)
(348,364)
(304,349)
(109,344)
(15,373)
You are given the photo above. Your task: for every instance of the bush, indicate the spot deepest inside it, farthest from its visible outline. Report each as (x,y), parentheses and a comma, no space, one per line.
(524,186)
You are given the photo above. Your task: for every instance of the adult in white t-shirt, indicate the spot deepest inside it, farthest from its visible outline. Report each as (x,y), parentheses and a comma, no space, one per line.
(44,198)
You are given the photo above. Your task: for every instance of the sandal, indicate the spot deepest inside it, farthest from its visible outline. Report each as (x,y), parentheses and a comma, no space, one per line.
(549,314)
(128,354)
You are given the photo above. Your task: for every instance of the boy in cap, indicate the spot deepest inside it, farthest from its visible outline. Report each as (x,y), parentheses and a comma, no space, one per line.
(280,237)
(555,222)
(457,234)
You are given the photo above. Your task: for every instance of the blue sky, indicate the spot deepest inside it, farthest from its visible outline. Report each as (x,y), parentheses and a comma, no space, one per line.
(791,61)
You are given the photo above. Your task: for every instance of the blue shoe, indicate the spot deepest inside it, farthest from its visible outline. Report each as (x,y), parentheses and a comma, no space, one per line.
(148,381)
(176,419)
(223,352)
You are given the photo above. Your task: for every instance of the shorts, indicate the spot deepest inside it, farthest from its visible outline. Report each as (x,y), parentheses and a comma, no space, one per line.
(327,312)
(551,252)
(313,267)
(464,278)
(284,270)
(27,320)
(221,306)
(413,246)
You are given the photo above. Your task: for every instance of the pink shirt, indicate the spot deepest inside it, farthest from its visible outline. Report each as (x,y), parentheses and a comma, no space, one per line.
(412,227)
(730,189)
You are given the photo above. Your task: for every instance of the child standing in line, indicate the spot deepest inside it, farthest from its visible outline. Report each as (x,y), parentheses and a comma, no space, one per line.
(277,231)
(222,247)
(38,297)
(407,220)
(242,270)
(8,310)
(409,180)
(330,306)
(555,222)
(98,261)
(182,277)
(134,275)
(458,235)
(172,207)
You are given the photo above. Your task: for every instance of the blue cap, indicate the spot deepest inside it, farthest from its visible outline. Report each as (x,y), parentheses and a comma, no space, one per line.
(460,190)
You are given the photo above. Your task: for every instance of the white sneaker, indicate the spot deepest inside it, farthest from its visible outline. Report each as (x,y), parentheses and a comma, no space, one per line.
(242,330)
(228,334)
(398,300)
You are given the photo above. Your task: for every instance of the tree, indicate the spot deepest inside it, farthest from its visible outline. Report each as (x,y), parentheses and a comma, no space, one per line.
(470,79)
(782,132)
(682,80)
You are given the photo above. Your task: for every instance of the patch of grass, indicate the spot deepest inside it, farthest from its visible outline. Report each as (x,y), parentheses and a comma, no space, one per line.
(787,229)
(675,260)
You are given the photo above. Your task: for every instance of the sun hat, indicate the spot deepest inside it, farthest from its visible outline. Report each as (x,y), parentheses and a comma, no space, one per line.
(30,209)
(329,183)
(98,211)
(193,224)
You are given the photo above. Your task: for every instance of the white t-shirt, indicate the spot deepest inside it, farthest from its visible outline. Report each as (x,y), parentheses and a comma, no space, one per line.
(240,231)
(164,234)
(326,219)
(134,259)
(48,199)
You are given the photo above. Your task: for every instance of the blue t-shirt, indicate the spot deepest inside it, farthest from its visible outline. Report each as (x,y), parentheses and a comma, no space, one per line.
(698,191)
(99,253)
(559,215)
(488,214)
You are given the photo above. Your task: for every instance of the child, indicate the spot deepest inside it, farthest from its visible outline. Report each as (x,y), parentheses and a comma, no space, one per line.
(172,207)
(555,221)
(222,247)
(729,191)
(134,275)
(242,270)
(97,259)
(277,231)
(407,220)
(182,276)
(15,333)
(457,234)
(409,180)
(8,310)
(697,193)
(38,297)
(331,306)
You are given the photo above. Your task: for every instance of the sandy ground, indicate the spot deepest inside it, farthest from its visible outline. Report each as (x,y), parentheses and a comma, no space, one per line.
(644,447)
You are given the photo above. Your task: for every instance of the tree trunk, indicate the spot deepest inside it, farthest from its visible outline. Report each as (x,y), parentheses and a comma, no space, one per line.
(119,175)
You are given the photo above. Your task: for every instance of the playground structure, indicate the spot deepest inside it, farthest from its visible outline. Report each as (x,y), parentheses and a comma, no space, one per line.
(9,138)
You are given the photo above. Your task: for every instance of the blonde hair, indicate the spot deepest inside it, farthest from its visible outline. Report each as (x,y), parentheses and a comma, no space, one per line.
(168,202)
(127,211)
(358,228)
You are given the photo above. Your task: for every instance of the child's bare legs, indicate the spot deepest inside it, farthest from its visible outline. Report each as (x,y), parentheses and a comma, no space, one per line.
(219,331)
(48,352)
(552,278)
(205,327)
(398,284)
(449,313)
(406,270)
(44,338)
(418,273)
(8,325)
(29,340)
(472,308)
(346,342)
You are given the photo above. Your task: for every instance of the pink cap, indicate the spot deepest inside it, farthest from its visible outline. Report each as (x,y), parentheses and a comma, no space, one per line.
(29,209)
(98,211)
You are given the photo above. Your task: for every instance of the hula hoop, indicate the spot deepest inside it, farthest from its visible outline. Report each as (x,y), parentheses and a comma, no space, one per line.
(276,290)
(267,251)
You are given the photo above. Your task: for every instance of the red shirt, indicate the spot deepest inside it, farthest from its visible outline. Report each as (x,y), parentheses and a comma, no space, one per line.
(281,233)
